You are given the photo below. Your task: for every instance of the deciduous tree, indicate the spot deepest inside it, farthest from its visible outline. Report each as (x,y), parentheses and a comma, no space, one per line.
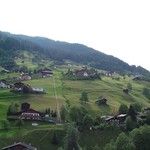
(19,123)
(123,142)
(84,97)
(141,137)
(123,109)
(129,87)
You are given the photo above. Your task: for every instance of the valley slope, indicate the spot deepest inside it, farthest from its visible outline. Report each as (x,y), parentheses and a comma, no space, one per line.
(44,48)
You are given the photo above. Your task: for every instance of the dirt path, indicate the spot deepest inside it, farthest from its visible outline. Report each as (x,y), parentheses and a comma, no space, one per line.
(57,103)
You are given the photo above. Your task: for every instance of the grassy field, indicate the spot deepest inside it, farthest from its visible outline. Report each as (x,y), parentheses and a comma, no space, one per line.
(110,89)
(37,101)
(66,89)
(41,136)
(27,59)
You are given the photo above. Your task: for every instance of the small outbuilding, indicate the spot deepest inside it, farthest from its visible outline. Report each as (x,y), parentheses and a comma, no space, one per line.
(102,101)
(126,91)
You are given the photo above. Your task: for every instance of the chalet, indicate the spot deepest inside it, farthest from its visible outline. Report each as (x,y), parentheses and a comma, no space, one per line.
(147,108)
(141,116)
(126,91)
(108,118)
(5,71)
(30,114)
(86,72)
(46,73)
(37,90)
(121,118)
(102,101)
(138,78)
(109,74)
(19,146)
(3,80)
(4,85)
(82,72)
(69,65)
(25,76)
(18,86)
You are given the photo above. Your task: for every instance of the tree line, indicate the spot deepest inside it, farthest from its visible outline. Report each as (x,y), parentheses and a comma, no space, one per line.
(60,51)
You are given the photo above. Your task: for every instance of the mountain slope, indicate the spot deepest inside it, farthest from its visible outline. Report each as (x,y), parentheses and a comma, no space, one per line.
(56,50)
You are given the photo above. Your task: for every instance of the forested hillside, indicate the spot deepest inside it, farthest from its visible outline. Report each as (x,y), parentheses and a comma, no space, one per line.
(10,44)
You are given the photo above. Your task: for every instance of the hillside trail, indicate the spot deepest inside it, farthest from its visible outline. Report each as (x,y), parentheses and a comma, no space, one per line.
(57,103)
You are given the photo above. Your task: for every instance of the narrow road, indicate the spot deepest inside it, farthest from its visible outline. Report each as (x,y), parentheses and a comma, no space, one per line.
(57,103)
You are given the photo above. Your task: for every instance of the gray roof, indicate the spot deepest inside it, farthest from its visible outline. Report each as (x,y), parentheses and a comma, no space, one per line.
(20,146)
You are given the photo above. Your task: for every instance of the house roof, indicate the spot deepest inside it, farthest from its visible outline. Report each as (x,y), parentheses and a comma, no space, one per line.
(102,99)
(37,89)
(121,115)
(19,84)
(147,108)
(19,146)
(25,103)
(107,118)
(28,111)
(47,72)
(3,81)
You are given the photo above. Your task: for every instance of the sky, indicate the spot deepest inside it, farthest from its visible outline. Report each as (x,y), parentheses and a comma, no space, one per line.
(115,27)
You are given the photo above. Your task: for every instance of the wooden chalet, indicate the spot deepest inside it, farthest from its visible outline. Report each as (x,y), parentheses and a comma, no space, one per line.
(121,118)
(82,72)
(4,84)
(147,109)
(30,114)
(25,76)
(138,78)
(141,116)
(5,71)
(18,86)
(37,90)
(126,91)
(46,73)
(19,146)
(102,101)
(108,118)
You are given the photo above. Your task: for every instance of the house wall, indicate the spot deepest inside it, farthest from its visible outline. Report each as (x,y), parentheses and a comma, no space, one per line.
(30,116)
(3,85)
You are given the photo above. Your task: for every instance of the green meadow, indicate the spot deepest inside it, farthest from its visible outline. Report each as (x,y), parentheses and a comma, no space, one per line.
(108,88)
(41,135)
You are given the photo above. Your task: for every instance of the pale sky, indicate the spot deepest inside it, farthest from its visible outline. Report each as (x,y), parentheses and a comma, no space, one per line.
(116,27)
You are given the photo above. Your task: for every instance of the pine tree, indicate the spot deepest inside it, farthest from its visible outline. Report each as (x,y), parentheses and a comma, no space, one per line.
(132,113)
(54,139)
(71,139)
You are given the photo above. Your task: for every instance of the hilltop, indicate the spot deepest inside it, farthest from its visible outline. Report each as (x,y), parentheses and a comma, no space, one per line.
(43,48)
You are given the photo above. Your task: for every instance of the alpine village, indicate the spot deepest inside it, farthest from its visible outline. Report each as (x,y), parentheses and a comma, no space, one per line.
(60,96)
